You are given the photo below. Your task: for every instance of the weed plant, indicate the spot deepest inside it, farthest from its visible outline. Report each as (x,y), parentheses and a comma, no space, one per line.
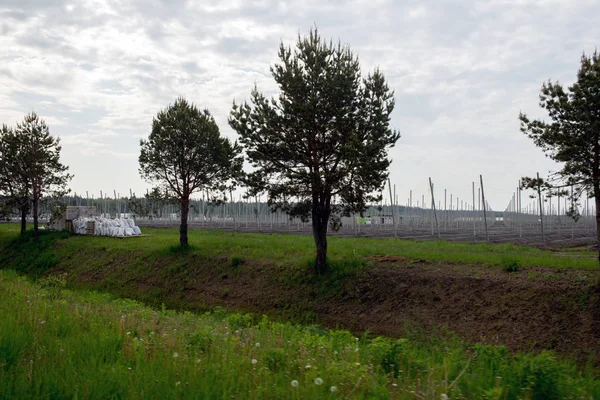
(88,345)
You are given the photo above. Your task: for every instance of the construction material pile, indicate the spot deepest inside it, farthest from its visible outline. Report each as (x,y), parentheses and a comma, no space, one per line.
(106,227)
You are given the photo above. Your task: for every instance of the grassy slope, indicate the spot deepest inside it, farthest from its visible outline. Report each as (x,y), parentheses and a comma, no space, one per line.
(432,367)
(62,344)
(297,251)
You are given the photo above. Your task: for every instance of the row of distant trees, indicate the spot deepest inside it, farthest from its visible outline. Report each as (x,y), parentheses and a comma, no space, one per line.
(319,149)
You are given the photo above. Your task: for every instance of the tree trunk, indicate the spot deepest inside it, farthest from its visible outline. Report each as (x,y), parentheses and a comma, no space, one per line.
(36,202)
(24,208)
(183,226)
(319,225)
(596,187)
(597,199)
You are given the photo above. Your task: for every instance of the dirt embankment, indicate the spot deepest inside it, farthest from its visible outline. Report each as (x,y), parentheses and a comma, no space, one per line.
(535,308)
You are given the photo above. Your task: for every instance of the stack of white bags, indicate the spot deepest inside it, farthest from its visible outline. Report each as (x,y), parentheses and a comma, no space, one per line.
(107,227)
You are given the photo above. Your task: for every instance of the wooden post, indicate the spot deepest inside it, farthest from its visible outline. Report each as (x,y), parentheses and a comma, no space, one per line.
(433,207)
(539,190)
(473,215)
(572,219)
(487,238)
(392,206)
(519,206)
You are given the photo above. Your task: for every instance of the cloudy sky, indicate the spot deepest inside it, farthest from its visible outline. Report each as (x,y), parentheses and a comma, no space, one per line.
(99,70)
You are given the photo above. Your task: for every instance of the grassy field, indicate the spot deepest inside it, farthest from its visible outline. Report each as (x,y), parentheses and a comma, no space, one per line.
(58,343)
(55,343)
(297,250)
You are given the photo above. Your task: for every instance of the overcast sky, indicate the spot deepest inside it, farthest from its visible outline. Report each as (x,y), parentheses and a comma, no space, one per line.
(98,71)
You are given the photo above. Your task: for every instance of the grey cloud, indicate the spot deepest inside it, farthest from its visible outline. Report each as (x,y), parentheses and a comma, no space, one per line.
(461,70)
(241,47)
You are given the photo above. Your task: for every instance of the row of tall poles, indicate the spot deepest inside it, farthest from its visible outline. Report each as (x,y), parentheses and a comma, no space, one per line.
(419,214)
(443,219)
(548,214)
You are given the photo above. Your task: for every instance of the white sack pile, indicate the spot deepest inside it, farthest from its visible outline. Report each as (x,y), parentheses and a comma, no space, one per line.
(107,227)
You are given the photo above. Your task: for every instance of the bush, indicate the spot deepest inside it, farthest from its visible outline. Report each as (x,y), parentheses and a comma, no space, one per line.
(54,284)
(236,261)
(510,265)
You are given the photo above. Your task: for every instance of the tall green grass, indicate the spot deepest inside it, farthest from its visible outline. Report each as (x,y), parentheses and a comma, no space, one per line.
(55,343)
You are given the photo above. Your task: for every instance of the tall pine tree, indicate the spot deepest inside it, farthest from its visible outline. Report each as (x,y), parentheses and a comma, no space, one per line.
(319,150)
(572,136)
(14,184)
(42,170)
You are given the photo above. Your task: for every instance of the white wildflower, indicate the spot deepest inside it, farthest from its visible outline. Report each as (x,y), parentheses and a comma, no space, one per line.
(318,381)
(295,383)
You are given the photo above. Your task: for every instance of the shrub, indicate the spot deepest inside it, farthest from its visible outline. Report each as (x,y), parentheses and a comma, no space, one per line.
(236,261)
(54,284)
(510,265)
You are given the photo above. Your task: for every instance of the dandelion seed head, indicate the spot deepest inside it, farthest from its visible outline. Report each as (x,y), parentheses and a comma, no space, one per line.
(175,355)
(197,361)
(308,366)
(254,361)
(257,344)
(177,383)
(443,396)
(394,384)
(294,383)
(333,388)
(318,381)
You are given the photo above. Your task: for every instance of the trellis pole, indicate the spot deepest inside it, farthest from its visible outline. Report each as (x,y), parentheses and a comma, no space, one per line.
(433,207)
(487,237)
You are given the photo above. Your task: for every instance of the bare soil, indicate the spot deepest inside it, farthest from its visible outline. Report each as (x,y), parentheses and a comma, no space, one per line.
(532,309)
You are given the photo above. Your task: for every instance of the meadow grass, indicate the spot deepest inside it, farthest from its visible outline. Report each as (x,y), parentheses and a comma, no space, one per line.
(55,343)
(295,250)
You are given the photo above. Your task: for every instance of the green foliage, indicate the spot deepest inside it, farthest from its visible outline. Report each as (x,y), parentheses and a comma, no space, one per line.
(236,261)
(275,359)
(36,163)
(54,284)
(326,135)
(87,345)
(572,137)
(184,153)
(202,340)
(34,257)
(510,265)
